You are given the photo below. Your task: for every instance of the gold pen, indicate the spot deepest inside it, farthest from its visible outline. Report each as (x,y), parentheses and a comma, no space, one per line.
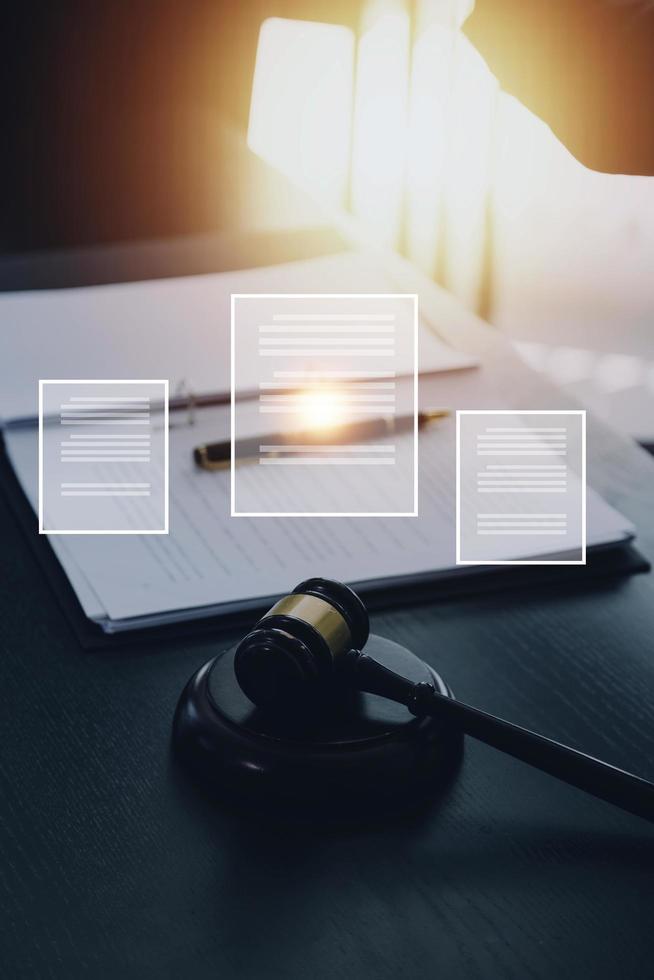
(217,455)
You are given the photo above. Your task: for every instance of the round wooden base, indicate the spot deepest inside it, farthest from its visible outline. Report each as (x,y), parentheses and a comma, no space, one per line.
(361,753)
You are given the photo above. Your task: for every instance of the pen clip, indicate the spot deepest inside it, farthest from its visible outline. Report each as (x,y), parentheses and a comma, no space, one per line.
(185,394)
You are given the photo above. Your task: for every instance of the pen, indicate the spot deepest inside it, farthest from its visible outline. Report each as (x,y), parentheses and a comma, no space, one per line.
(217,455)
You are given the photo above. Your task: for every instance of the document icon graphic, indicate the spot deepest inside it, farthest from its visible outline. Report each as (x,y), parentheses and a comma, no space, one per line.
(521,487)
(103,457)
(332,427)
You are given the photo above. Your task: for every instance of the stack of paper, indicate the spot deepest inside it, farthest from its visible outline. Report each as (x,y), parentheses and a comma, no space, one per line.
(211,562)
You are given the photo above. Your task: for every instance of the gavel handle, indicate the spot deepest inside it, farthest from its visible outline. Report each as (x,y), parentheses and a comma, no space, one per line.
(607,782)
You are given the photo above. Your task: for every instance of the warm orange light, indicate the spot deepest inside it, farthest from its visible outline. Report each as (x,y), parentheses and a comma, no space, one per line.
(442,164)
(322,409)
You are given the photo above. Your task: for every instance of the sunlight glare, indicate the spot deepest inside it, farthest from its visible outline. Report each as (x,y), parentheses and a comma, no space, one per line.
(380,119)
(322,409)
(300,113)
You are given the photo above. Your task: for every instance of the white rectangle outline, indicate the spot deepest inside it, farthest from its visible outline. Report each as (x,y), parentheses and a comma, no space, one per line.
(103,381)
(525,411)
(412,296)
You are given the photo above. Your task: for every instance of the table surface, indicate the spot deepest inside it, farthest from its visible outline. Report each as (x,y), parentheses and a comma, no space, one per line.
(113,865)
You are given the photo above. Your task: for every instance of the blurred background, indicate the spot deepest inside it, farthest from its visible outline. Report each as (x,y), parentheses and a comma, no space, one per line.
(128,120)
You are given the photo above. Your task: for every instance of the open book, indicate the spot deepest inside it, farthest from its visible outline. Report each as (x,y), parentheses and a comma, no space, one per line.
(211,563)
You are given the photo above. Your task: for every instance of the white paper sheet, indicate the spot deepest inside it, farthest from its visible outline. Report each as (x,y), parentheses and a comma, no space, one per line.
(211,560)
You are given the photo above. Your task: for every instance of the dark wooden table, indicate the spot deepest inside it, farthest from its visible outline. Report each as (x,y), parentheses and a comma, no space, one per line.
(113,866)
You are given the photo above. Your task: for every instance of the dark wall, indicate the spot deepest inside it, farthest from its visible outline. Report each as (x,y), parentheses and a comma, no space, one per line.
(113,109)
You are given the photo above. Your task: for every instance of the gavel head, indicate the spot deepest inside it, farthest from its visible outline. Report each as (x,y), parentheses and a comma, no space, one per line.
(291,656)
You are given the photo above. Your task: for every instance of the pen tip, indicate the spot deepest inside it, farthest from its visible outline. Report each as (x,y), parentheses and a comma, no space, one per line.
(432,414)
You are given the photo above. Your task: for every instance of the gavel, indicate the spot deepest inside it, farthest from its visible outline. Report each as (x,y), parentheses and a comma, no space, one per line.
(309,649)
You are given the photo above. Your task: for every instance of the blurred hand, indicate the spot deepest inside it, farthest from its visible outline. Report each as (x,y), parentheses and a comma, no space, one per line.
(586,67)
